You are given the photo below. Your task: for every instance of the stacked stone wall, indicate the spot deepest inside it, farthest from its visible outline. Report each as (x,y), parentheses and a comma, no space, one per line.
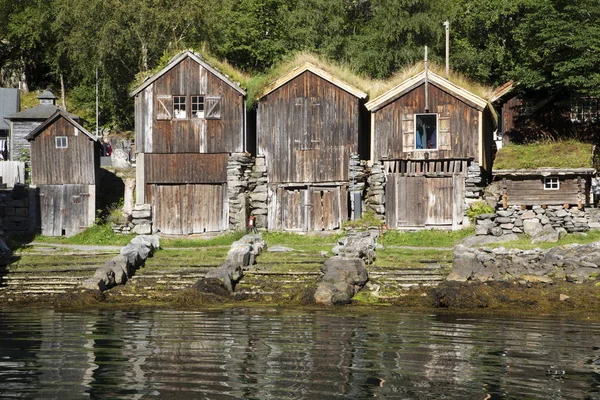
(535,221)
(376,190)
(258,192)
(17,210)
(357,183)
(238,168)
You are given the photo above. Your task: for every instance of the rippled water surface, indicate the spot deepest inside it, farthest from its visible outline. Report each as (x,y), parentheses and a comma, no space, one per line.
(285,354)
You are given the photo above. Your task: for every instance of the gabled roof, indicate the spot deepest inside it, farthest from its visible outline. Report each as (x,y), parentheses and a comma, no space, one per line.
(417,81)
(176,60)
(43,111)
(52,118)
(317,71)
(500,91)
(46,94)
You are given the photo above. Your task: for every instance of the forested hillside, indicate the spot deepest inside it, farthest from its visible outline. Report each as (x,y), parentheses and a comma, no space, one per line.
(551,46)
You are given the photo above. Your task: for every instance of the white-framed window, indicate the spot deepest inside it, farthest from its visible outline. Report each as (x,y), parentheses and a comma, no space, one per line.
(426,126)
(62,142)
(551,183)
(585,109)
(197,106)
(179,109)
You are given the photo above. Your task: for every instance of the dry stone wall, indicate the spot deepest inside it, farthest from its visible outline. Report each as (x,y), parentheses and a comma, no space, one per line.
(258,193)
(376,191)
(238,171)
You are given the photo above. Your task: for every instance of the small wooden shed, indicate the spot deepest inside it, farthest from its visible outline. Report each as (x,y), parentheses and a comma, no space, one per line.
(545,186)
(64,166)
(427,131)
(189,118)
(24,122)
(308,124)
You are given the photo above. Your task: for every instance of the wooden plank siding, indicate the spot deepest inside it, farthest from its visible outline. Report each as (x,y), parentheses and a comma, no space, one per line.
(394,126)
(530,191)
(188,209)
(185,168)
(66,209)
(19,146)
(75,164)
(307,129)
(189,135)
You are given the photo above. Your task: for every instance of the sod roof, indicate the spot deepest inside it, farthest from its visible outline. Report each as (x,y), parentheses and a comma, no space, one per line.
(562,154)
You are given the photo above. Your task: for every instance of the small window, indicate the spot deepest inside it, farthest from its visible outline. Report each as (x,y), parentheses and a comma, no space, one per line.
(179,107)
(197,106)
(62,142)
(551,184)
(426,131)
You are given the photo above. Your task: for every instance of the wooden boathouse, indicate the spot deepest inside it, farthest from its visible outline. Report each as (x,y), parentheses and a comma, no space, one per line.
(65,159)
(308,124)
(427,132)
(189,119)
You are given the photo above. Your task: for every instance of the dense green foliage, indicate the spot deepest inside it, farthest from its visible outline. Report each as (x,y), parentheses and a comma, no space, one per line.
(547,45)
(561,154)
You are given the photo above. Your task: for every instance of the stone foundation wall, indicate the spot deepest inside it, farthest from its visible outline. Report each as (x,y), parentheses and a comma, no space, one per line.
(574,262)
(375,200)
(238,171)
(258,192)
(535,221)
(357,184)
(18,211)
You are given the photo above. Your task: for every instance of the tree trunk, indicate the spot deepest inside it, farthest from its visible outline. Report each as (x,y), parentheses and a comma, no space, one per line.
(62,91)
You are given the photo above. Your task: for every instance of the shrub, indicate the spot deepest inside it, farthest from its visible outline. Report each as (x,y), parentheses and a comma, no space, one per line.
(478,208)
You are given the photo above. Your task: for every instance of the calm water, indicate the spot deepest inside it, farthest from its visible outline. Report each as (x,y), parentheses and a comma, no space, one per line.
(284,354)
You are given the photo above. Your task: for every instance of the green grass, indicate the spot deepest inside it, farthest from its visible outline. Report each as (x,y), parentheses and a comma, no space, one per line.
(524,241)
(561,154)
(392,257)
(101,235)
(291,239)
(425,238)
(222,240)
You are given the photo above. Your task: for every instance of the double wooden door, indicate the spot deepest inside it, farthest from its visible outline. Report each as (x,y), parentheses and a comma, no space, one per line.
(64,209)
(306,208)
(188,209)
(418,201)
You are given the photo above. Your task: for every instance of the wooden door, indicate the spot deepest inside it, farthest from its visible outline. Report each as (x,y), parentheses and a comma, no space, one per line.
(64,209)
(440,200)
(189,209)
(312,209)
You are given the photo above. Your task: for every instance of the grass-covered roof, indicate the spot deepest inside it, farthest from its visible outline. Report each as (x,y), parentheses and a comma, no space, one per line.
(560,154)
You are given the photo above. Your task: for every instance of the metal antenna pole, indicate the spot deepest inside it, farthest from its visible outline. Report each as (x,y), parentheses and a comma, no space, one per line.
(447,25)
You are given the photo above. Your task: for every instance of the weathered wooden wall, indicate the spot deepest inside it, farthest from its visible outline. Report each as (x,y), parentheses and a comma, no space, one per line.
(75,164)
(307,129)
(188,209)
(511,110)
(185,168)
(19,146)
(189,135)
(12,172)
(530,191)
(458,126)
(302,208)
(67,209)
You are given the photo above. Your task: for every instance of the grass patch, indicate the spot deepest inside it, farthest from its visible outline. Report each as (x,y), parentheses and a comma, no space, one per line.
(101,235)
(425,238)
(391,257)
(222,240)
(291,239)
(524,241)
(561,154)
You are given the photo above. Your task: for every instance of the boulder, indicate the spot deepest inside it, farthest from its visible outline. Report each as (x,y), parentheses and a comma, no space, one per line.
(94,283)
(547,238)
(342,278)
(227,273)
(532,227)
(241,255)
(131,252)
(106,275)
(143,228)
(465,264)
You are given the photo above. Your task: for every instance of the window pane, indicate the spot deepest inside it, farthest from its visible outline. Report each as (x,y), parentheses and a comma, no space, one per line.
(426,131)
(197,106)
(179,107)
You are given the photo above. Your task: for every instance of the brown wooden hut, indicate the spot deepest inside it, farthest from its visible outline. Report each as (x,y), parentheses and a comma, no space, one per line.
(308,124)
(545,186)
(189,118)
(427,132)
(64,166)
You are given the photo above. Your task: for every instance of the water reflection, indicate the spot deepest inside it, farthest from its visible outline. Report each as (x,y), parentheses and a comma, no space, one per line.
(270,354)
